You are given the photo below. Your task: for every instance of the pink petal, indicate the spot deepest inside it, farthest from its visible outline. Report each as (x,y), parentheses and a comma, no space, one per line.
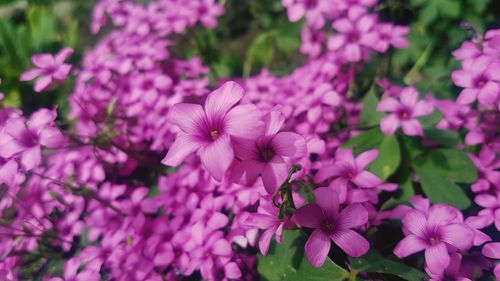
(388,104)
(309,216)
(415,222)
(295,12)
(30,74)
(353,52)
(480,65)
(328,200)
(366,158)
(62,72)
(43,60)
(289,144)
(246,116)
(222,248)
(31,157)
(352,216)
(491,250)
(51,137)
(458,235)
(437,258)
(423,108)
(343,25)
(351,242)
(409,245)
(189,117)
(409,96)
(412,127)
(366,179)
(217,156)
(486,200)
(8,172)
(232,271)
(63,55)
(389,124)
(462,78)
(336,41)
(326,172)
(41,119)
(265,240)
(183,146)
(261,221)
(274,174)
(222,99)
(440,215)
(273,122)
(42,83)
(317,248)
(467,96)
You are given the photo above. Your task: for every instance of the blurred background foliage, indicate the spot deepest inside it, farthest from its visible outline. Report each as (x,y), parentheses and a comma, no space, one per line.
(252,35)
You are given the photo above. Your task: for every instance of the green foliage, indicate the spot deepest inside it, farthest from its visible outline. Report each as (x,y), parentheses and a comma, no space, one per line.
(389,157)
(367,140)
(375,262)
(286,262)
(370,117)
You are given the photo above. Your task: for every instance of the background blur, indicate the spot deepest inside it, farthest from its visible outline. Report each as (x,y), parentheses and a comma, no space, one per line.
(252,34)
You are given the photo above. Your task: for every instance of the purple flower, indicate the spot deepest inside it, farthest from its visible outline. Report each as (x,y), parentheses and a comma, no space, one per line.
(265,156)
(492,250)
(480,79)
(491,205)
(48,68)
(404,112)
(434,232)
(487,165)
(209,130)
(452,271)
(27,139)
(349,170)
(330,225)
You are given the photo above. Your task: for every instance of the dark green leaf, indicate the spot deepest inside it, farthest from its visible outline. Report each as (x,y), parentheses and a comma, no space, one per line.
(443,137)
(287,262)
(439,189)
(453,164)
(369,115)
(374,262)
(367,140)
(389,157)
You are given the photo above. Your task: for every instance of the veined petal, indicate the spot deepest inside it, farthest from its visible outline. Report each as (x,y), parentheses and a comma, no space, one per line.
(273,122)
(366,179)
(437,258)
(352,216)
(274,174)
(317,248)
(309,216)
(326,172)
(189,117)
(416,223)
(350,242)
(289,144)
(244,121)
(183,145)
(328,200)
(458,235)
(217,156)
(409,245)
(222,99)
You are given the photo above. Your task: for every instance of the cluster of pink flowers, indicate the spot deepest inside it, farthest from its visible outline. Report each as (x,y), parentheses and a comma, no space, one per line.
(234,158)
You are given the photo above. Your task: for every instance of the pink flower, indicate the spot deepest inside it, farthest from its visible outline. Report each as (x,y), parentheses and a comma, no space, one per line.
(27,139)
(404,112)
(330,225)
(487,165)
(491,205)
(349,170)
(265,156)
(434,232)
(48,68)
(210,130)
(480,79)
(492,250)
(452,272)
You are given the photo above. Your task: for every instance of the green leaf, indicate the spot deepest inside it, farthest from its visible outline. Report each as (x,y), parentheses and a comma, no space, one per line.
(452,164)
(389,157)
(375,262)
(260,52)
(287,262)
(479,5)
(439,189)
(367,140)
(42,26)
(369,116)
(288,37)
(443,137)
(431,119)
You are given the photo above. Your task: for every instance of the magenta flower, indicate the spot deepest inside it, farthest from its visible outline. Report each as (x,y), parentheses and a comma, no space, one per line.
(330,225)
(210,130)
(487,165)
(491,205)
(480,79)
(265,156)
(434,232)
(492,250)
(452,271)
(48,68)
(404,112)
(349,170)
(27,139)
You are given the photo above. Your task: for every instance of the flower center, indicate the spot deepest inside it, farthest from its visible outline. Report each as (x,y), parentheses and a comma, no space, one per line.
(214,134)
(404,114)
(266,154)
(28,138)
(433,240)
(327,226)
(480,82)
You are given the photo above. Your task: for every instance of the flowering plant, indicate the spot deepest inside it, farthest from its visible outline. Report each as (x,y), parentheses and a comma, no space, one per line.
(162,164)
